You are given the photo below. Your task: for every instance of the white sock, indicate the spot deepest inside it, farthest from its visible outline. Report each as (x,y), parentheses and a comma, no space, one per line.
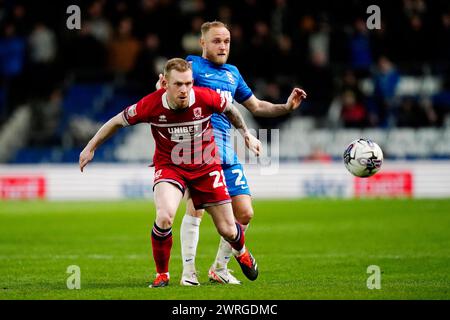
(189,232)
(225,252)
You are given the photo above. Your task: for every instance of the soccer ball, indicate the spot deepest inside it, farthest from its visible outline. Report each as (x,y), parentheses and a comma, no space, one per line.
(363,158)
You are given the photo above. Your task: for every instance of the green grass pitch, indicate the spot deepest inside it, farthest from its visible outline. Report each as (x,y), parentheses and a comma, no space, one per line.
(305,249)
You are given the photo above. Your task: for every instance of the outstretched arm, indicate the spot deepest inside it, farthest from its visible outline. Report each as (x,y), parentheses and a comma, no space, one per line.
(261,108)
(104,133)
(238,122)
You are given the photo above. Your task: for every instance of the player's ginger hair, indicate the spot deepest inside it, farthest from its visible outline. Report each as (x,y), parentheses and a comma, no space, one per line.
(177,64)
(212,24)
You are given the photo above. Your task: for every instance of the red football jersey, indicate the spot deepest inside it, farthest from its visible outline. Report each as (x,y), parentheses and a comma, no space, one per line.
(182,137)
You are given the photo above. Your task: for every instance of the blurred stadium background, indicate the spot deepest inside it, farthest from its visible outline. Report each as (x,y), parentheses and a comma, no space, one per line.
(391,85)
(58,86)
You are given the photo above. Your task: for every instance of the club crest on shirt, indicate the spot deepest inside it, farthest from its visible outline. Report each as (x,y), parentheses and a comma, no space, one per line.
(230,77)
(132,111)
(197,113)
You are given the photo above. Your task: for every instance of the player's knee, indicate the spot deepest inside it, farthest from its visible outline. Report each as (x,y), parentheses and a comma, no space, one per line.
(244,216)
(228,232)
(165,218)
(196,213)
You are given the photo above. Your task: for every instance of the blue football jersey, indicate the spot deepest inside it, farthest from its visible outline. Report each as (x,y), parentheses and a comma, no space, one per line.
(227,81)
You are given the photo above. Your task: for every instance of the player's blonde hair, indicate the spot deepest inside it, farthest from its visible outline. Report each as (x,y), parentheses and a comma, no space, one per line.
(212,24)
(177,64)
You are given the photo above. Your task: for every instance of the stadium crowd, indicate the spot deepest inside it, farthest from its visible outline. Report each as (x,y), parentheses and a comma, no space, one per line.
(322,46)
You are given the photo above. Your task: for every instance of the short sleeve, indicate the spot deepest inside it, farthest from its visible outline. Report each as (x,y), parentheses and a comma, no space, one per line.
(243,91)
(137,113)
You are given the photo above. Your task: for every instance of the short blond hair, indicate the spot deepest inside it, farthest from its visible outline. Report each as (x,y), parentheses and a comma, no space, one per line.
(212,24)
(177,64)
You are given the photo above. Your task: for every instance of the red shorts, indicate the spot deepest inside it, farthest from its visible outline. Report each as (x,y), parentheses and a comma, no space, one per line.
(206,185)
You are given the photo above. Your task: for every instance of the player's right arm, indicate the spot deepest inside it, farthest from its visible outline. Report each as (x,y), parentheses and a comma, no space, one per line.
(235,117)
(262,108)
(103,134)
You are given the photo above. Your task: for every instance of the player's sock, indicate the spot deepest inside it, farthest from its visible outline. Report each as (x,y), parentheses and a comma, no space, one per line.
(190,229)
(238,243)
(161,246)
(225,252)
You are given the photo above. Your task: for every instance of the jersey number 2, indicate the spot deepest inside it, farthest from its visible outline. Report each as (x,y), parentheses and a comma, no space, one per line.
(217,175)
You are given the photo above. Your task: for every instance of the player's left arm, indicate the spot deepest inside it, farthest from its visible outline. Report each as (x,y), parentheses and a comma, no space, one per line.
(262,108)
(238,122)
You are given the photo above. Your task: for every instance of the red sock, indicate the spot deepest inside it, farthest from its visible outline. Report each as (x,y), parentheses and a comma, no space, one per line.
(238,243)
(161,246)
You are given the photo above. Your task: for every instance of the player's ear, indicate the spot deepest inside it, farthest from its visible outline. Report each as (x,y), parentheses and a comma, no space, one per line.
(164,82)
(202,42)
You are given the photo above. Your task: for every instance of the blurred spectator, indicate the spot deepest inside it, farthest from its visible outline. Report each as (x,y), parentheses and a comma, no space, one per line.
(191,40)
(83,52)
(280,19)
(98,26)
(360,50)
(386,80)
(145,70)
(305,27)
(319,42)
(415,114)
(353,113)
(258,10)
(123,48)
(168,10)
(323,48)
(264,47)
(415,43)
(12,61)
(442,42)
(286,65)
(19,19)
(12,52)
(194,7)
(225,14)
(414,8)
(46,121)
(239,49)
(351,83)
(382,43)
(148,11)
(42,42)
(317,79)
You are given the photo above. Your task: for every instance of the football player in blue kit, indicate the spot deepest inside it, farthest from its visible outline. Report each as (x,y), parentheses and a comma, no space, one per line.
(211,70)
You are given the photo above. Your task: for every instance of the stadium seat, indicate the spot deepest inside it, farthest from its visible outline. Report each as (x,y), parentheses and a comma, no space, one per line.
(299,124)
(115,104)
(342,138)
(377,135)
(84,99)
(37,155)
(137,145)
(442,147)
(427,139)
(293,146)
(322,139)
(401,144)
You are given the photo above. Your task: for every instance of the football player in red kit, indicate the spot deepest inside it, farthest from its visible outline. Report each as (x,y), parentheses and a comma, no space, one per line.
(185,157)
